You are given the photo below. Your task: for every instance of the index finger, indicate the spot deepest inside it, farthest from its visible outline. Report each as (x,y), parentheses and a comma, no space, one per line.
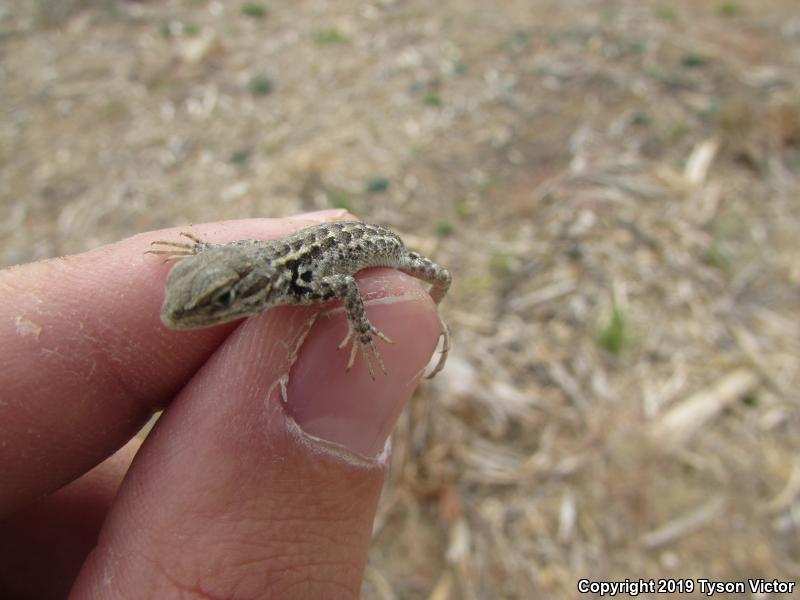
(86,359)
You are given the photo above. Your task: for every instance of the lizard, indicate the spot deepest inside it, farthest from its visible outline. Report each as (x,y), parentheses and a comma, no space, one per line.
(217,283)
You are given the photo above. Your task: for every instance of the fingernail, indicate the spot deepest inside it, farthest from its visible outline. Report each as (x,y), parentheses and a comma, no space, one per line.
(349,408)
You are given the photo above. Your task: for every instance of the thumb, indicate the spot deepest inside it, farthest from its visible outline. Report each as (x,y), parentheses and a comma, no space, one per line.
(238,493)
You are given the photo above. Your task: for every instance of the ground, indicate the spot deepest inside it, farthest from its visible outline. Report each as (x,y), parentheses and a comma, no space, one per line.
(614,185)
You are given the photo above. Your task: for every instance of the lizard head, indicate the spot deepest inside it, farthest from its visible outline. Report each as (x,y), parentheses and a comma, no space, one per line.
(217,285)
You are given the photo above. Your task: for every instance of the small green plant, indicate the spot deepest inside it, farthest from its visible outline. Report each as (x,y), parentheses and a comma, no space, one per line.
(241,157)
(260,85)
(729,9)
(255,10)
(640,118)
(636,47)
(613,335)
(431,99)
(750,399)
(692,60)
(444,228)
(377,184)
(665,12)
(330,37)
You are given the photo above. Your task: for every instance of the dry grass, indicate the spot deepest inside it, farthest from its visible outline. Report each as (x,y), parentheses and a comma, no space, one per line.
(614,185)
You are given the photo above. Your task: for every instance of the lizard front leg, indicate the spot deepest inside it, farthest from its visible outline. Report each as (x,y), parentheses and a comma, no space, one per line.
(181,249)
(358,326)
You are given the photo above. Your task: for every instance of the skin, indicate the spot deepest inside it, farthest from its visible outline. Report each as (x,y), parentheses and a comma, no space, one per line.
(236,493)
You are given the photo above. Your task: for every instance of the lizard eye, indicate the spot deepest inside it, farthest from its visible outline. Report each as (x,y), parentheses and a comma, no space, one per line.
(224,298)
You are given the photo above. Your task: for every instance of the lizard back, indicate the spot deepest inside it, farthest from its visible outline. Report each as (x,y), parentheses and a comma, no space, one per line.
(332,248)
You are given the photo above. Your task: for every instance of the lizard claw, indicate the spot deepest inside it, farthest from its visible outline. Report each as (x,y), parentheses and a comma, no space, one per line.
(445,334)
(366,342)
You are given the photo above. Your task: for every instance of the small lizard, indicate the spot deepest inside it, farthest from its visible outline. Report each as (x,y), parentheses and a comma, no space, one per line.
(216,283)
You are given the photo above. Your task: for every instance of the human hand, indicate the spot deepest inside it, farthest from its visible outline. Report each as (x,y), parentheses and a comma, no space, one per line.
(235,493)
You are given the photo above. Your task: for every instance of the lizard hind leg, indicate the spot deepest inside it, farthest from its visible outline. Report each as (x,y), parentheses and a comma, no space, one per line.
(440,279)
(366,342)
(359,329)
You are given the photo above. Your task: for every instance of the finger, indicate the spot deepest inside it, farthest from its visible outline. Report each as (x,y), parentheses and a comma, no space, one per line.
(232,497)
(55,535)
(86,359)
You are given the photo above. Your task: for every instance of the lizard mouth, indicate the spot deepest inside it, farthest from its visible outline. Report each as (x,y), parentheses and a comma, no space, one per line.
(188,320)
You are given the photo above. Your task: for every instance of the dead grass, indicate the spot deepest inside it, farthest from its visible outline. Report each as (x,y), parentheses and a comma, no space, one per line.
(569,162)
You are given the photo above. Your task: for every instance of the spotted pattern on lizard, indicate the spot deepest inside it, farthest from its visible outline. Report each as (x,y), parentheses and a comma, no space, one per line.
(217,283)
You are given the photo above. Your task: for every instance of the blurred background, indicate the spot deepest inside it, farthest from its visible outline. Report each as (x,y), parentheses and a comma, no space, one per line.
(614,184)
